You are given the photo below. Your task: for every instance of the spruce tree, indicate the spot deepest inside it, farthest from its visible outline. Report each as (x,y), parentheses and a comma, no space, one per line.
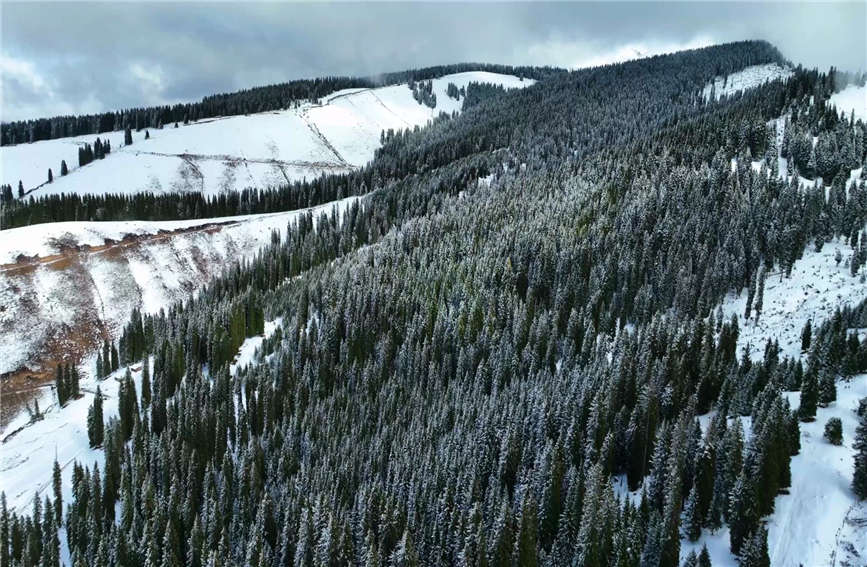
(704,557)
(58,494)
(73,390)
(60,386)
(827,386)
(806,336)
(145,381)
(691,517)
(755,552)
(859,477)
(127,136)
(834,431)
(63,169)
(809,396)
(94,420)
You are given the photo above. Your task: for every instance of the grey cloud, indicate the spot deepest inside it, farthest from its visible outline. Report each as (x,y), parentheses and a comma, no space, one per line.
(101,56)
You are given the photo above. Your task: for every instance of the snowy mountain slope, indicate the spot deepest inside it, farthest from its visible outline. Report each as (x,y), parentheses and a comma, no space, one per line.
(816,288)
(852,99)
(803,530)
(748,78)
(232,153)
(28,450)
(818,520)
(353,122)
(75,298)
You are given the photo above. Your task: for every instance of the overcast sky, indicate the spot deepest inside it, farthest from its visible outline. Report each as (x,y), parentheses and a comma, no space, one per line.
(81,57)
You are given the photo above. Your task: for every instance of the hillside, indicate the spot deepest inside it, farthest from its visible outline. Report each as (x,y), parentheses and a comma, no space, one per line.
(565,326)
(218,155)
(80,282)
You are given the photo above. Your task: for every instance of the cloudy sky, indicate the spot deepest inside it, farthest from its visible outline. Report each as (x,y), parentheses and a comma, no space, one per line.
(63,58)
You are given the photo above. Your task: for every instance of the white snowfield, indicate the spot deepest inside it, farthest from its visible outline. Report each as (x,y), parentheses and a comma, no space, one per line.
(28,449)
(852,99)
(233,153)
(95,291)
(745,79)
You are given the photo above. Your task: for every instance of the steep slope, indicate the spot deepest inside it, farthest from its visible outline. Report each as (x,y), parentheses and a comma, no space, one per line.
(77,283)
(819,518)
(227,154)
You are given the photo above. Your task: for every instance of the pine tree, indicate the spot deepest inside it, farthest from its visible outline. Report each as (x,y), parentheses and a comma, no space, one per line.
(63,169)
(809,396)
(859,478)
(58,494)
(127,136)
(94,420)
(50,176)
(834,431)
(755,551)
(806,336)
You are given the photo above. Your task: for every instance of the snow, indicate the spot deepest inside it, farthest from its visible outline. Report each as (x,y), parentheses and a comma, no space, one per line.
(232,153)
(98,289)
(745,79)
(816,288)
(718,547)
(852,99)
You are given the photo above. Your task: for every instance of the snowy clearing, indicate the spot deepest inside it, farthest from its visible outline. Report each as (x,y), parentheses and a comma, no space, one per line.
(745,79)
(803,530)
(232,153)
